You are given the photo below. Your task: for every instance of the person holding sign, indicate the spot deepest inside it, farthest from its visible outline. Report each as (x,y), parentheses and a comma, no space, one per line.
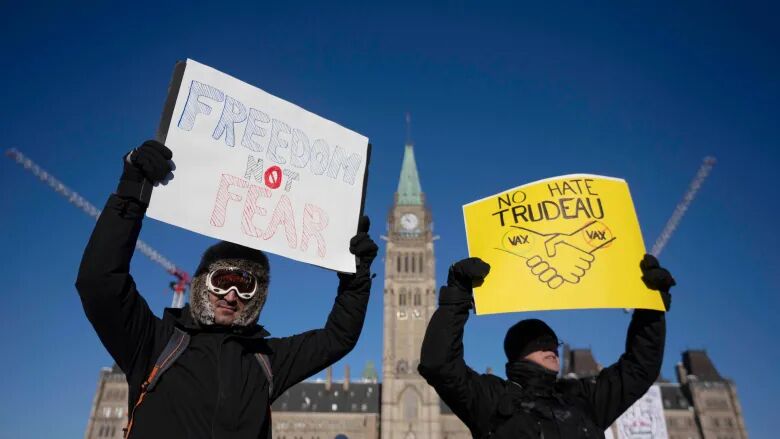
(533,402)
(208,369)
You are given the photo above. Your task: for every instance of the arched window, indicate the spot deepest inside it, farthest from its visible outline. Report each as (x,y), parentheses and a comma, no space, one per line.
(412,267)
(410,405)
(406,263)
(402,297)
(417,298)
(399,263)
(420,263)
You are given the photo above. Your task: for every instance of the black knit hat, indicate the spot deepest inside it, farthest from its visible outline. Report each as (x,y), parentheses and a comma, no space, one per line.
(229,250)
(527,336)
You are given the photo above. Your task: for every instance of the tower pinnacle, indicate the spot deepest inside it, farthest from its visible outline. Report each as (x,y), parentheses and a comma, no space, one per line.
(409,188)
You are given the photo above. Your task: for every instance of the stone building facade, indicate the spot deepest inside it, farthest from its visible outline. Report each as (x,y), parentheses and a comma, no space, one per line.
(325,410)
(702,405)
(108,415)
(714,398)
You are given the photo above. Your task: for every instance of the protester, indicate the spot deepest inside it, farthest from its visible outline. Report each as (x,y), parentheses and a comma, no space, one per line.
(207,370)
(534,402)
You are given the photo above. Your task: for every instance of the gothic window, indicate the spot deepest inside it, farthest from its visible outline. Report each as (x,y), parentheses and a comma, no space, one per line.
(402,297)
(417,298)
(412,267)
(406,263)
(399,263)
(716,403)
(410,405)
(420,263)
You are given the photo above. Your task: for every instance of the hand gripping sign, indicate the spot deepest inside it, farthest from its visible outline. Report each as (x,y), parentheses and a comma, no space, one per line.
(562,243)
(259,171)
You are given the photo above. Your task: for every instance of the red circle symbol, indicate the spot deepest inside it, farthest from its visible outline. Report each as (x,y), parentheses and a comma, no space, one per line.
(273,177)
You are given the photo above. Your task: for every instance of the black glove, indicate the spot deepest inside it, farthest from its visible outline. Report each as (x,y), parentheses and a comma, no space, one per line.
(657,278)
(363,247)
(144,167)
(467,273)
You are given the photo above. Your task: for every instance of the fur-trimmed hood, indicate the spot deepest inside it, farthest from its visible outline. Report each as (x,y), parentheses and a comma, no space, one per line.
(226,255)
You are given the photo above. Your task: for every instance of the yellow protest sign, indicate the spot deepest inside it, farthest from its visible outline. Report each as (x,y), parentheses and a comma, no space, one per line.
(566,242)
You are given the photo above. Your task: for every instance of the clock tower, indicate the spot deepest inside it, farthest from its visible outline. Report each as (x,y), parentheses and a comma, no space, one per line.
(410,408)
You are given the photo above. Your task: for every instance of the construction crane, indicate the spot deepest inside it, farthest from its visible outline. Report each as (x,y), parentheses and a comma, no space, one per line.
(182,282)
(682,207)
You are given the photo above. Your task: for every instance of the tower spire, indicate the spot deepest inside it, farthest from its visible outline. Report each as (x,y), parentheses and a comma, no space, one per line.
(409,188)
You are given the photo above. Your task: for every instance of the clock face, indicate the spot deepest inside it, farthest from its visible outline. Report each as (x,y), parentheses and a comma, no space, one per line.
(409,221)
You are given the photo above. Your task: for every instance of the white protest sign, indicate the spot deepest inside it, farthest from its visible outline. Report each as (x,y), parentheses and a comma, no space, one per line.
(645,418)
(259,171)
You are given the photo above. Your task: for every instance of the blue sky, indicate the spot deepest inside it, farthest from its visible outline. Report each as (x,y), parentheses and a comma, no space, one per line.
(500,95)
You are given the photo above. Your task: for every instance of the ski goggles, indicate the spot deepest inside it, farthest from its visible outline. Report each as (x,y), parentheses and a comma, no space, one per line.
(222,280)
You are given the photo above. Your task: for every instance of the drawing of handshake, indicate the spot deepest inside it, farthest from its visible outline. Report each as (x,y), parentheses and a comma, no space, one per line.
(556,258)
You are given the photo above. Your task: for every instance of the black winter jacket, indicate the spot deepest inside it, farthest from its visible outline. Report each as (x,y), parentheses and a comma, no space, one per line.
(580,408)
(216,389)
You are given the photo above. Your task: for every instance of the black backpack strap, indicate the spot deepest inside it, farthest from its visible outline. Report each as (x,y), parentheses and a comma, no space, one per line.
(176,345)
(265,365)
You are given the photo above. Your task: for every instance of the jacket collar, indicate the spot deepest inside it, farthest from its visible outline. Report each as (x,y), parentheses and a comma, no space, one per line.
(182,318)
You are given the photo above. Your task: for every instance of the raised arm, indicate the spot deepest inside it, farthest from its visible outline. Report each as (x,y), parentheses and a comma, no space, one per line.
(442,365)
(300,356)
(120,316)
(618,386)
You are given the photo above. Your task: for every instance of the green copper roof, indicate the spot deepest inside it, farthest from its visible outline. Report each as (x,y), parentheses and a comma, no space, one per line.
(409,189)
